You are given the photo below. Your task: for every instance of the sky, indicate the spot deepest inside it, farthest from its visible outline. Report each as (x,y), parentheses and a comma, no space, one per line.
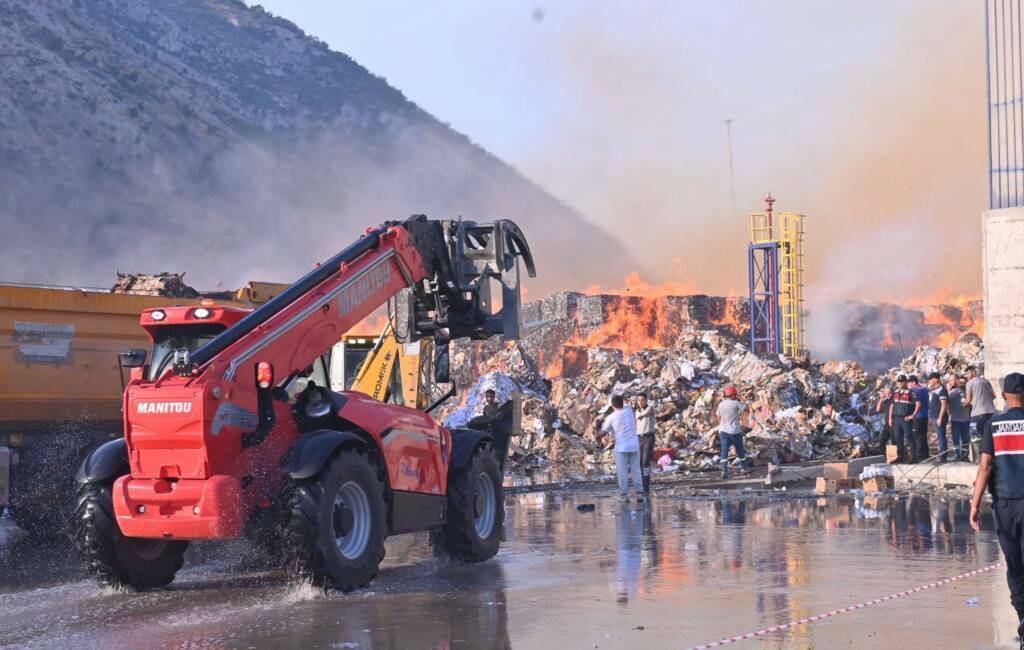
(868,117)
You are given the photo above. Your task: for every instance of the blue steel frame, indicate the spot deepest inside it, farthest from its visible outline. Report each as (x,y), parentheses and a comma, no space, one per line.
(765,316)
(1004,67)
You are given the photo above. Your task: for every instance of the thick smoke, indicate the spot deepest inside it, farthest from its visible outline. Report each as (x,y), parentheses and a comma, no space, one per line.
(213,139)
(868,117)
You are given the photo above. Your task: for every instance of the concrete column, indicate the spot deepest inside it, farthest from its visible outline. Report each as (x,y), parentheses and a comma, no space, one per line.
(1003,261)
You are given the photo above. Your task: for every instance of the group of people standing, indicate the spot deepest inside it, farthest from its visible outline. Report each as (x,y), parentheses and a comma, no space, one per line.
(961,404)
(633,429)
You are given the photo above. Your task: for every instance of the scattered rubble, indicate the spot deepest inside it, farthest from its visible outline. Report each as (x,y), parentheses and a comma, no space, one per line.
(798,412)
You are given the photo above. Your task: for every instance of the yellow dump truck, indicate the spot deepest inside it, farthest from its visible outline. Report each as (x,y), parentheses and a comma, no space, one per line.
(61,384)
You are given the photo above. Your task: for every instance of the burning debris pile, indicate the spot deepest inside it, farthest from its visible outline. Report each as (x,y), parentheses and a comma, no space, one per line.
(564,328)
(580,350)
(879,335)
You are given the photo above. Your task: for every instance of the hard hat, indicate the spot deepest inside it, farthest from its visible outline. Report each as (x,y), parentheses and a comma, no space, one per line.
(730,391)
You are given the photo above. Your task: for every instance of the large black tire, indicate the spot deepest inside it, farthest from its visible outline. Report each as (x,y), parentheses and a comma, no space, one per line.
(335,523)
(116,560)
(476,510)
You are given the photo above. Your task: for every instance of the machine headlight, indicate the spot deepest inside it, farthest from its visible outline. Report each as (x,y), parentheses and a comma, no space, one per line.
(201,312)
(158,314)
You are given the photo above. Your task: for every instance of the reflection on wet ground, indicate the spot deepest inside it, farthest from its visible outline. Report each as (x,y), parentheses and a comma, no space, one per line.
(672,573)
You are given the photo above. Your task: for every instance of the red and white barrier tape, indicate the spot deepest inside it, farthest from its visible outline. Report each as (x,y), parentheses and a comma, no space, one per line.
(843,610)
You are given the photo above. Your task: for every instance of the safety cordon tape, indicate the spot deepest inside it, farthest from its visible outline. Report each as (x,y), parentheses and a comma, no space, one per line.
(843,610)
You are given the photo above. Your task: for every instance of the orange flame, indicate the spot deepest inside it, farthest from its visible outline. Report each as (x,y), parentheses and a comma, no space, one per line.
(642,318)
(887,340)
(635,285)
(943,296)
(951,313)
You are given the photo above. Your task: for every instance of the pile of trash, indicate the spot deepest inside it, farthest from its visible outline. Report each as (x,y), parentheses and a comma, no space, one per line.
(168,285)
(797,411)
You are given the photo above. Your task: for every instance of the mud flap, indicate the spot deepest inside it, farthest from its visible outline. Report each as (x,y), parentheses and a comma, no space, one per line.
(107,461)
(312,450)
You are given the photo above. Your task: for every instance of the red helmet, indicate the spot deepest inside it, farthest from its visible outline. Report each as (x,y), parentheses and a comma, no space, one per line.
(730,391)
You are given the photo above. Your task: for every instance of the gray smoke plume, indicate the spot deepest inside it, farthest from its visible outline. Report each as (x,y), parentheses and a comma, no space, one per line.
(212,138)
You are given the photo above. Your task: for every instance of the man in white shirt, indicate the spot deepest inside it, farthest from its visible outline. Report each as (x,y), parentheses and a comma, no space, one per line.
(645,429)
(622,425)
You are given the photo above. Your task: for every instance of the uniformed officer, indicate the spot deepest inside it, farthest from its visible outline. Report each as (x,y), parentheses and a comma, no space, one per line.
(1002,470)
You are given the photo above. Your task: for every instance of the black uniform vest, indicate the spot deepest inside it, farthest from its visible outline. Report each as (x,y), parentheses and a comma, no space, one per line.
(1008,442)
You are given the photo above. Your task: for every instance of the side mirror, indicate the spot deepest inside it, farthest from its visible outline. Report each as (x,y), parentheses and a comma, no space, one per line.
(132,358)
(442,365)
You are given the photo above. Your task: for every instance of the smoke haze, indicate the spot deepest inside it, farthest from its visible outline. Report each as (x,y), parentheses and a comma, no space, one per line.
(214,139)
(868,117)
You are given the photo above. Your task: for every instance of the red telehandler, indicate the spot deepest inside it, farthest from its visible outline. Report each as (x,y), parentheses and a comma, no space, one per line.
(223,443)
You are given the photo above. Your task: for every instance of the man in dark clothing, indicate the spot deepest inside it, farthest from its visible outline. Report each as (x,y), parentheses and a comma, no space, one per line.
(1002,470)
(899,418)
(959,417)
(883,407)
(919,420)
(490,403)
(645,428)
(938,411)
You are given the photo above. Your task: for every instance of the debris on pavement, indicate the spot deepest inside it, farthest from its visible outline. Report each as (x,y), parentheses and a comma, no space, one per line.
(569,364)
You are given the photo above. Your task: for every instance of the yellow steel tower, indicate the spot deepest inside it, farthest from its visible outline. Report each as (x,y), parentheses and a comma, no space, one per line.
(776,259)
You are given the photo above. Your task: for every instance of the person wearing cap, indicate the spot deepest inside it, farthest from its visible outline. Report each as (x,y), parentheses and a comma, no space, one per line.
(919,420)
(730,429)
(938,411)
(959,417)
(902,406)
(980,398)
(1002,470)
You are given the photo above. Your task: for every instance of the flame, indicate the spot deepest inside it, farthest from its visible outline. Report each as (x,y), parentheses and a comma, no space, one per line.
(641,316)
(950,314)
(630,326)
(888,340)
(943,296)
(635,285)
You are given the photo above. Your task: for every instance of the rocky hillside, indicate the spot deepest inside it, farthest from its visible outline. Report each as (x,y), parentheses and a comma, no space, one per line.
(209,137)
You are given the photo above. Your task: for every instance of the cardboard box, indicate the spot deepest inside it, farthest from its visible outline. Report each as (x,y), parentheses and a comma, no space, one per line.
(878,484)
(833,485)
(825,485)
(837,470)
(892,454)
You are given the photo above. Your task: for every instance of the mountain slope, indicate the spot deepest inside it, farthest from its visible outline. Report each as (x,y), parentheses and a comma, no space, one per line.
(209,137)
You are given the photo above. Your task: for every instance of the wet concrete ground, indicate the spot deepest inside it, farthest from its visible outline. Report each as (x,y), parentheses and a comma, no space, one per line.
(672,573)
